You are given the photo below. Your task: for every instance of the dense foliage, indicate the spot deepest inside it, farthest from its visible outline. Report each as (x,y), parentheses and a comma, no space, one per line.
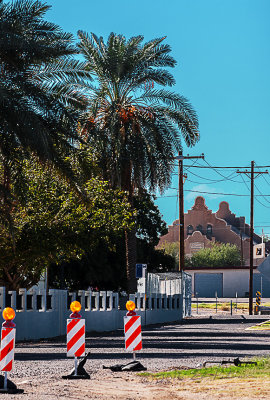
(50,223)
(218,255)
(103,266)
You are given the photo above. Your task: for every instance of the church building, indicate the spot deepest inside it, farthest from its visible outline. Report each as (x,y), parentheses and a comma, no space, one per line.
(204,227)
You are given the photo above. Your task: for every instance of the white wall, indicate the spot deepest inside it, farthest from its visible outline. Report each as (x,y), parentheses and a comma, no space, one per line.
(234,280)
(101,311)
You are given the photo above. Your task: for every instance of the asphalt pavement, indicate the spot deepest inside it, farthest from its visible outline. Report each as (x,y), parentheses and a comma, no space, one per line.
(176,345)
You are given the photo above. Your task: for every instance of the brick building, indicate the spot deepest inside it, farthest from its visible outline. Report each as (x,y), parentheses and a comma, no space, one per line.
(203,227)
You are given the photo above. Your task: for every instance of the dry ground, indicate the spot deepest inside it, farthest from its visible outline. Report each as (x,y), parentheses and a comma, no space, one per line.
(39,366)
(127,386)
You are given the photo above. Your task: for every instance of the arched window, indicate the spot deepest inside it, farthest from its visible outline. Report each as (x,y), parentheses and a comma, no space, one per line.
(199,228)
(209,229)
(189,230)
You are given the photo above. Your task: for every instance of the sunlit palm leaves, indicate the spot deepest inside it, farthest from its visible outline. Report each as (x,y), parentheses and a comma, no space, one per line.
(40,83)
(136,125)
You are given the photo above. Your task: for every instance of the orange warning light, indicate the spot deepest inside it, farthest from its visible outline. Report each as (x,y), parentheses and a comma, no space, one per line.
(75,306)
(130,306)
(8,314)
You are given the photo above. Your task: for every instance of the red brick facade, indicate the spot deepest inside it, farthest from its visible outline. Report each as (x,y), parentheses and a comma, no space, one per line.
(203,227)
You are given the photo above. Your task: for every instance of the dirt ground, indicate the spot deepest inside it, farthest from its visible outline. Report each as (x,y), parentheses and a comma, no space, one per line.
(130,386)
(39,366)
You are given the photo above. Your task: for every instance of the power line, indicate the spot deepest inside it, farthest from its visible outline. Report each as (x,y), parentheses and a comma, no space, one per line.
(262,194)
(215,169)
(213,181)
(264,177)
(218,167)
(224,194)
(199,191)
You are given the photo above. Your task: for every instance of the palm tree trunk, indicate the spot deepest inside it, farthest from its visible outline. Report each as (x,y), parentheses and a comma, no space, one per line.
(131,256)
(130,237)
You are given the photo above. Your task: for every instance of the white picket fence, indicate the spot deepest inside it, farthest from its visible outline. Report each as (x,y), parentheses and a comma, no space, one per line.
(41,316)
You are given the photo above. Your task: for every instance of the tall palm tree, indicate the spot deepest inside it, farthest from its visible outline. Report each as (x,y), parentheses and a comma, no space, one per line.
(134,122)
(40,84)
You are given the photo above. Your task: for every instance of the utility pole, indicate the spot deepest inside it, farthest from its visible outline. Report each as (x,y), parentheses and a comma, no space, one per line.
(250,174)
(241,236)
(181,175)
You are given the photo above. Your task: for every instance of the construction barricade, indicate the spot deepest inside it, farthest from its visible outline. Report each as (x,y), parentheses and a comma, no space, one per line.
(8,333)
(76,341)
(133,330)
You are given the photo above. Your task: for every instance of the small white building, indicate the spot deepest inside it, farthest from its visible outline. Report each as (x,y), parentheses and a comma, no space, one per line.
(227,281)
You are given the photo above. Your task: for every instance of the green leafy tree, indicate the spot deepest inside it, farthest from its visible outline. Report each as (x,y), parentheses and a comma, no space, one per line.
(135,125)
(172,249)
(51,223)
(103,266)
(218,255)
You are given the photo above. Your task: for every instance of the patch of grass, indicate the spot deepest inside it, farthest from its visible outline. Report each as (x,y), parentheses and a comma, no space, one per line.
(264,326)
(220,305)
(262,369)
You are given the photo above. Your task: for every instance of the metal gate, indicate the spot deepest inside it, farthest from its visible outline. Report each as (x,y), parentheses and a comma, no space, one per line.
(208,285)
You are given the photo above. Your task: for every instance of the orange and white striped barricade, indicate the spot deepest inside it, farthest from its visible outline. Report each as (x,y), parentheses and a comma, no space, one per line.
(7,343)
(75,339)
(133,330)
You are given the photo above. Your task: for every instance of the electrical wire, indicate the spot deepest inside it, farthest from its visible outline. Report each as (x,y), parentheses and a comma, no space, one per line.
(199,191)
(194,162)
(255,195)
(218,167)
(223,176)
(212,181)
(262,194)
(263,175)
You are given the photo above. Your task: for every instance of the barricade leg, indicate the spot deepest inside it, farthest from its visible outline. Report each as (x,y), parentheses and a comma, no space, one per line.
(5,381)
(75,366)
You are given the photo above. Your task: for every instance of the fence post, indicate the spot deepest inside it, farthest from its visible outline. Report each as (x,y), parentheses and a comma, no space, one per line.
(103,300)
(2,298)
(33,293)
(81,294)
(22,292)
(96,295)
(13,299)
(110,296)
(43,294)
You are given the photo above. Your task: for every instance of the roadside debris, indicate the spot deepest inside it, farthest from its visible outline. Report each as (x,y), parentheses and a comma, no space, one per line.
(132,366)
(236,361)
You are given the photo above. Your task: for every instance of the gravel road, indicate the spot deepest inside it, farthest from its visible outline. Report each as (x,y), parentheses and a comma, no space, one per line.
(39,366)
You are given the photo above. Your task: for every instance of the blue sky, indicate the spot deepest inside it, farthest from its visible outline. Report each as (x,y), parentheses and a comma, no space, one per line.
(223,55)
